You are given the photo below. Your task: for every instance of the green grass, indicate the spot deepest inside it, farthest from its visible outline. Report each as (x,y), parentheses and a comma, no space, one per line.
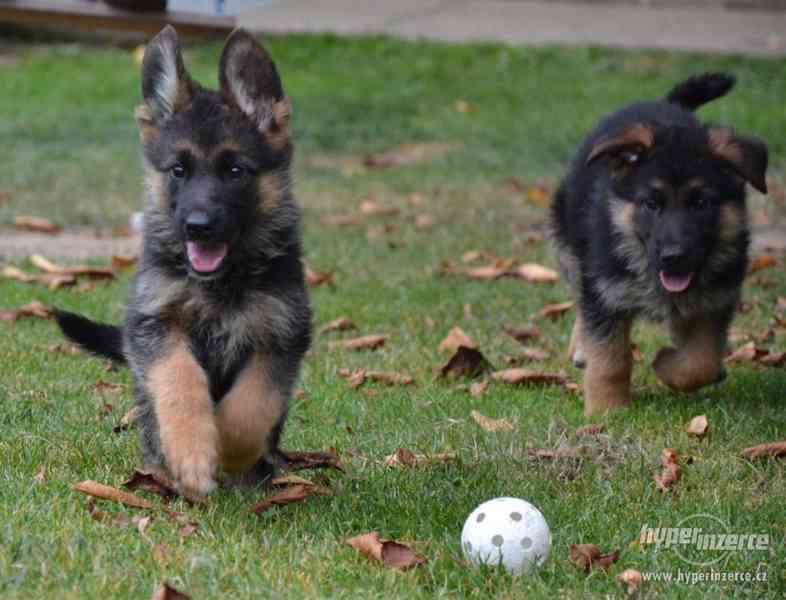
(73,158)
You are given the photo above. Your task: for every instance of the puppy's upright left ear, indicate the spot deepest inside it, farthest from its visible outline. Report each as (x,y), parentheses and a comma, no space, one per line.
(748,156)
(635,139)
(166,85)
(249,79)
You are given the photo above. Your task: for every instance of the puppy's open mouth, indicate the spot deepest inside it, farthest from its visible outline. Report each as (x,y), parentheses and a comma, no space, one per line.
(206,258)
(675,283)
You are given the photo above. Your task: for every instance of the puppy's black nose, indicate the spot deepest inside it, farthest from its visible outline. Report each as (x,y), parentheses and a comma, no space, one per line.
(199,227)
(672,256)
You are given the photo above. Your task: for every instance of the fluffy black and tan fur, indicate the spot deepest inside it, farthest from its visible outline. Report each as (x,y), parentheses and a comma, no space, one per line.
(218,318)
(651,221)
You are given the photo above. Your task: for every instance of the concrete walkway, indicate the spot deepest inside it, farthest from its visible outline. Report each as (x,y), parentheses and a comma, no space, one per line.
(699,26)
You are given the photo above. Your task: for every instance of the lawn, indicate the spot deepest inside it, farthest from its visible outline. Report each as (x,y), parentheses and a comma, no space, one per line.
(70,154)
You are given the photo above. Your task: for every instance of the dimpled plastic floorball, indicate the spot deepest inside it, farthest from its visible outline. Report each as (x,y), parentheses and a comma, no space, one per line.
(507,531)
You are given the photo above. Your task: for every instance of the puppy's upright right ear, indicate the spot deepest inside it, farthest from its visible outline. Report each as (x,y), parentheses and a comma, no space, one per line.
(632,140)
(166,85)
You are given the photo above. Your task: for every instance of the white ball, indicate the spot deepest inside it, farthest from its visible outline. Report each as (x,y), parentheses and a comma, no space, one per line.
(507,531)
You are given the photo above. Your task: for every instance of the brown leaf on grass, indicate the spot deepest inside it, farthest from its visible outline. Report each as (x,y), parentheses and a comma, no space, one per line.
(288,495)
(40,476)
(529,354)
(773,359)
(488,272)
(298,461)
(188,530)
(127,420)
(415,199)
(477,389)
(780,304)
(671,470)
(167,592)
(339,324)
(34,309)
(489,424)
(572,387)
(772,449)
(107,387)
(379,231)
(424,221)
(100,516)
(631,578)
(121,262)
(554,453)
(365,342)
(528,377)
(456,338)
(407,154)
(5,196)
(54,281)
(523,334)
(37,224)
(66,348)
(588,556)
(471,256)
(406,458)
(47,266)
(105,492)
(535,273)
(342,220)
(392,554)
(765,261)
(555,311)
(466,362)
(698,426)
(318,278)
(153,482)
(390,378)
(539,194)
(746,353)
(372,208)
(354,378)
(590,430)
(464,107)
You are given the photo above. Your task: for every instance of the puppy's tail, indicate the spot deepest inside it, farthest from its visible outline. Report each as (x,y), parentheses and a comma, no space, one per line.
(700,89)
(98,338)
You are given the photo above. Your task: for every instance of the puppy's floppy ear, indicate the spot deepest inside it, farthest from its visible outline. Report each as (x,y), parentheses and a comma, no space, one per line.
(638,135)
(166,85)
(746,155)
(249,79)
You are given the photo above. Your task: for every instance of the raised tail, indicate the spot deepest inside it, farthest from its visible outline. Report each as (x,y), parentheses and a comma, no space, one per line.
(98,338)
(700,89)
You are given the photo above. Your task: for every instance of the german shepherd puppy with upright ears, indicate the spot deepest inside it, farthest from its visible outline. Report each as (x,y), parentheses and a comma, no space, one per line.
(218,318)
(651,221)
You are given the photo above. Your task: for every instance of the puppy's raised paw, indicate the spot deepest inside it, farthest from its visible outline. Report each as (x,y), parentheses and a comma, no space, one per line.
(195,474)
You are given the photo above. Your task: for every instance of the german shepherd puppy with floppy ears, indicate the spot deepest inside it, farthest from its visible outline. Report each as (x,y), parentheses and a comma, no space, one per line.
(651,221)
(218,318)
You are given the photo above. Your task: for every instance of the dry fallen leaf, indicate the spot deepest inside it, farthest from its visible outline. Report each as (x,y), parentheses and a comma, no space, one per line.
(764,261)
(289,495)
(342,220)
(317,278)
(746,353)
(372,208)
(40,476)
(464,107)
(298,461)
(466,362)
(528,377)
(554,453)
(105,492)
(535,273)
(107,387)
(36,224)
(478,388)
(408,154)
(488,272)
(523,334)
(698,426)
(774,359)
(153,482)
(492,425)
(127,420)
(167,592)
(406,458)
(47,266)
(34,309)
(120,262)
(631,578)
(554,311)
(456,338)
(424,221)
(590,430)
(671,470)
(339,324)
(772,449)
(539,194)
(392,554)
(366,342)
(588,556)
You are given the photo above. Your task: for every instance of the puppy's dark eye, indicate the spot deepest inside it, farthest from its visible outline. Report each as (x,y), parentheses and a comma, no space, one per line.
(236,172)
(700,199)
(654,200)
(178,170)
(630,157)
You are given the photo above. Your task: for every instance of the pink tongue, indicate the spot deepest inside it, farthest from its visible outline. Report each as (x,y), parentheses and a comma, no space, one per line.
(205,259)
(675,283)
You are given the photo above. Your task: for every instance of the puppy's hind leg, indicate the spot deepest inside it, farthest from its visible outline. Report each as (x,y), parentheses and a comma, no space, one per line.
(609,366)
(575,346)
(697,359)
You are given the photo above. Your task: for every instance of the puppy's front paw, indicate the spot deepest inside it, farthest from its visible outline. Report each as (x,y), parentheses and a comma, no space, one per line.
(685,372)
(195,473)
